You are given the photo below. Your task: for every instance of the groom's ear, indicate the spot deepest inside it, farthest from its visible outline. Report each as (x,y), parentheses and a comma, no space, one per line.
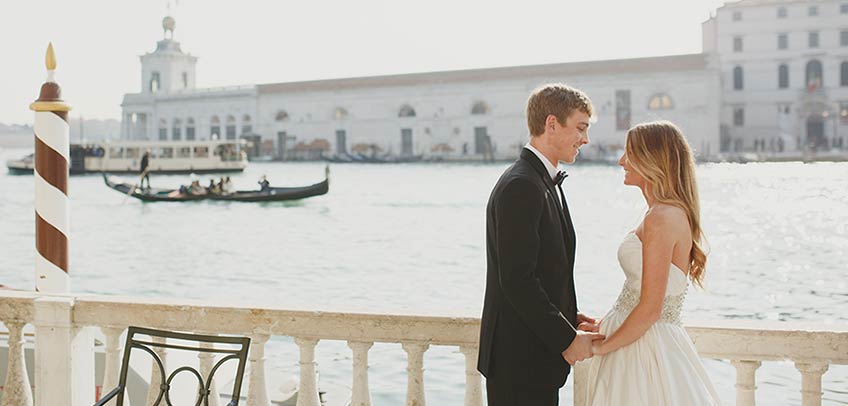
(549,122)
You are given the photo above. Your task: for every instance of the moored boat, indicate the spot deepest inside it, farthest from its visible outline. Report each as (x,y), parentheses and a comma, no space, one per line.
(197,156)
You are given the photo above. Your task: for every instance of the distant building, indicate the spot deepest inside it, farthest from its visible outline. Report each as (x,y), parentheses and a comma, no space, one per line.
(773,74)
(784,73)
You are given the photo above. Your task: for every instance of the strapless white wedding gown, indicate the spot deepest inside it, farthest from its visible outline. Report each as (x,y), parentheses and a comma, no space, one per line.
(661,368)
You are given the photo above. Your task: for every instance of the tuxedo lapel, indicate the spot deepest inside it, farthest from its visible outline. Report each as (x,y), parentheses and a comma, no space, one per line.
(553,191)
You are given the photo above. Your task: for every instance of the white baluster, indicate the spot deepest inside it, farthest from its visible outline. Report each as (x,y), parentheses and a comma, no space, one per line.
(112,362)
(415,373)
(811,374)
(155,373)
(257,390)
(473,387)
(746,381)
(206,361)
(581,378)
(361,395)
(307,394)
(17,390)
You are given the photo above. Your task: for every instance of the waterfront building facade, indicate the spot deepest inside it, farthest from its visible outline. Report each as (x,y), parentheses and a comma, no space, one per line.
(772,78)
(784,74)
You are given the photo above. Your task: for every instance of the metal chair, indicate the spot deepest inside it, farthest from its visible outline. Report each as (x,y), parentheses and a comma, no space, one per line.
(238,350)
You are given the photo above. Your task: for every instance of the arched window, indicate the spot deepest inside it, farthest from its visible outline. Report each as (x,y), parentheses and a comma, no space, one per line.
(231,127)
(190,129)
(176,130)
(163,129)
(340,113)
(214,128)
(480,107)
(814,74)
(246,125)
(843,74)
(406,111)
(783,76)
(282,115)
(154,82)
(660,101)
(738,79)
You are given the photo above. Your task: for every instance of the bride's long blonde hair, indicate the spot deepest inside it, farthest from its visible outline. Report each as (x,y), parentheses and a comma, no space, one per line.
(661,155)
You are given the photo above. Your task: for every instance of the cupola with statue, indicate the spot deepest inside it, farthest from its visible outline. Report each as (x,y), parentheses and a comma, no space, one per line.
(167,69)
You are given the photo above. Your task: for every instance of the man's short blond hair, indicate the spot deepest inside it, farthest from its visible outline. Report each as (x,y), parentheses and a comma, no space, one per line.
(558,99)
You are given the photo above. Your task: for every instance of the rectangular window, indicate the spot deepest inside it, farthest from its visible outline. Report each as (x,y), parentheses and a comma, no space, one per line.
(737,44)
(246,129)
(813,11)
(176,133)
(782,41)
(201,152)
(184,152)
(738,116)
(781,12)
(131,153)
(116,152)
(167,152)
(783,76)
(163,134)
(737,16)
(190,133)
(215,132)
(622,110)
(813,39)
(843,38)
(843,8)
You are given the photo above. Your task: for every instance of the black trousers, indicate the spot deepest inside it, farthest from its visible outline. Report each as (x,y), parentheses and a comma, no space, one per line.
(503,393)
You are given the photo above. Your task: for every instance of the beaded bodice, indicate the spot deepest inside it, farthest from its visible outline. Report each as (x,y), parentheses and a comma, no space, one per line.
(630,258)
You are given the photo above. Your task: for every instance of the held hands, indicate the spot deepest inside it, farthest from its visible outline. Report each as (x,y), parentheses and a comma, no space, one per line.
(586,323)
(581,348)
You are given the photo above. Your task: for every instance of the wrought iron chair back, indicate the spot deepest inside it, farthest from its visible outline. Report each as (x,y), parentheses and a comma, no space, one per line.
(238,347)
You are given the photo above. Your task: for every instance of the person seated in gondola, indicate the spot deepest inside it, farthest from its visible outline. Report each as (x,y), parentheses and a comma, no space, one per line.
(264,184)
(213,187)
(196,188)
(228,186)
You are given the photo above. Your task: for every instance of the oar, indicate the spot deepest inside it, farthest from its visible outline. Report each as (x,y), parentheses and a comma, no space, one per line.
(132,189)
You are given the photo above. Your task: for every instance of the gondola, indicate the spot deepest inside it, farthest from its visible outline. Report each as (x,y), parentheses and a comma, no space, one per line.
(272,194)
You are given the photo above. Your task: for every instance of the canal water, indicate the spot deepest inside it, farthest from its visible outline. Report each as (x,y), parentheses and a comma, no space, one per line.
(410,239)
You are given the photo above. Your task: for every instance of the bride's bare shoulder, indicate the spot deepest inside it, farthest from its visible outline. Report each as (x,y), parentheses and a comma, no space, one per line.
(665,218)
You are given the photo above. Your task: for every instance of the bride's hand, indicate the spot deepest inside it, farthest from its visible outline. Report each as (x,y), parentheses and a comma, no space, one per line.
(590,327)
(598,348)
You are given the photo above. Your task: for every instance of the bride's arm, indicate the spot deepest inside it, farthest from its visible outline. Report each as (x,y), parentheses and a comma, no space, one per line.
(659,232)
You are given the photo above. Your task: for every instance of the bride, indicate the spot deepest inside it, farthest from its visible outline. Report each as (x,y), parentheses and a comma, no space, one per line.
(647,358)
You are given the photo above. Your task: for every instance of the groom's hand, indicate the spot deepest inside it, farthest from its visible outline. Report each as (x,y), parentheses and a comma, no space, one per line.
(581,348)
(586,323)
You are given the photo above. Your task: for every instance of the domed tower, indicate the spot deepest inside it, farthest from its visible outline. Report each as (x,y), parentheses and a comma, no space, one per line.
(168,68)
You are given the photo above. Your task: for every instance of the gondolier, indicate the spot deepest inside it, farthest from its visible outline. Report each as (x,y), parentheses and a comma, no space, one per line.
(145,162)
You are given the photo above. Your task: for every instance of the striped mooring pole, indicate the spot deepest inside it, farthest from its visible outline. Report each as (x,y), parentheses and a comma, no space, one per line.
(52,162)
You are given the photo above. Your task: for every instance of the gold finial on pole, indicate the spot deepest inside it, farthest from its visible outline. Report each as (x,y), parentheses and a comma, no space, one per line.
(50,59)
(50,98)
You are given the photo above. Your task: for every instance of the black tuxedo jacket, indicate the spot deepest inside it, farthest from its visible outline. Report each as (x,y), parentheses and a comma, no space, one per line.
(530,298)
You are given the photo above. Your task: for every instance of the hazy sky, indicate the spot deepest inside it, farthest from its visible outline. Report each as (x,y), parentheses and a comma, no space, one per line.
(98,42)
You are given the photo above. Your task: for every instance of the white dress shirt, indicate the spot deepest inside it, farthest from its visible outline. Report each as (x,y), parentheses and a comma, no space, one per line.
(552,170)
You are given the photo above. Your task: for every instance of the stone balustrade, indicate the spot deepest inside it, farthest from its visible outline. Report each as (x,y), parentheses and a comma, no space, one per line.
(61,321)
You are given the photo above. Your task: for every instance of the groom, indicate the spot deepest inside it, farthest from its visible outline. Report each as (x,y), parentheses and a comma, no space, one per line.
(528,335)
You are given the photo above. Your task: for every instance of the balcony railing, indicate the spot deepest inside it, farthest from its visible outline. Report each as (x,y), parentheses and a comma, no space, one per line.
(62,366)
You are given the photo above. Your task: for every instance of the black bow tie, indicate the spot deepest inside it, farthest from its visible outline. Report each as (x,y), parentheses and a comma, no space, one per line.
(560,176)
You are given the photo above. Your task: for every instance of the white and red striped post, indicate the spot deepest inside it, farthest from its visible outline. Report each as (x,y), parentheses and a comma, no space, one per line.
(64,352)
(52,162)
